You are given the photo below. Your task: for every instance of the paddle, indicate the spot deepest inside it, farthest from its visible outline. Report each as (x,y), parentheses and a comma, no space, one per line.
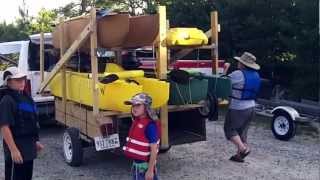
(109,79)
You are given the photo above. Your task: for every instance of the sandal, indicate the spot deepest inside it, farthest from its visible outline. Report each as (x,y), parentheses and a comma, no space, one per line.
(236,158)
(244,153)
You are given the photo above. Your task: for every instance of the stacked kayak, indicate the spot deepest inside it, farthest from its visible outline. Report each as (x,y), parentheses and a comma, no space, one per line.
(186,37)
(111,95)
(157,89)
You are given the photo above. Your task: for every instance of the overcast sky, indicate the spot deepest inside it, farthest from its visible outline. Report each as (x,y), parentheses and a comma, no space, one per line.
(9,8)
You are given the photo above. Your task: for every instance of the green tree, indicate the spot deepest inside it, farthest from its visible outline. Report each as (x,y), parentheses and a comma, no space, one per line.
(17,30)
(282,34)
(11,32)
(80,7)
(43,21)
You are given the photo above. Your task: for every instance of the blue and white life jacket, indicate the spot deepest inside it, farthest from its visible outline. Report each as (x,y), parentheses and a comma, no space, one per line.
(250,88)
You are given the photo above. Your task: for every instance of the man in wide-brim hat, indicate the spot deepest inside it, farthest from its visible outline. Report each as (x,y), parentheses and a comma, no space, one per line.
(245,86)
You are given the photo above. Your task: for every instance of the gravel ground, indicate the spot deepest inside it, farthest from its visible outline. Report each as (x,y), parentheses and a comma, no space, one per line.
(270,158)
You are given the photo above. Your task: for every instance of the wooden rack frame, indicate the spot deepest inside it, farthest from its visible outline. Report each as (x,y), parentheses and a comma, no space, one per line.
(162,58)
(212,33)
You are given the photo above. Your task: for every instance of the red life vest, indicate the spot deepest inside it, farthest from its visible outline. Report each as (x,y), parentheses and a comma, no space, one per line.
(138,146)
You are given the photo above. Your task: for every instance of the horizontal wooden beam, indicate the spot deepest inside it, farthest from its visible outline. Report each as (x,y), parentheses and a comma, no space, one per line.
(65,58)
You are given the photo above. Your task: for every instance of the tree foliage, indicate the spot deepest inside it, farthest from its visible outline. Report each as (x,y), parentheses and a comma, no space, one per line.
(282,34)
(43,22)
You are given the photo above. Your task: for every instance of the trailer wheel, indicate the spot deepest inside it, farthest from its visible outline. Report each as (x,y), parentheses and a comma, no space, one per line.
(72,147)
(164,150)
(283,126)
(210,108)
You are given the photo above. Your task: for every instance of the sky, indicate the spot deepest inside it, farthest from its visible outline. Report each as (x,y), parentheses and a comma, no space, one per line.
(9,9)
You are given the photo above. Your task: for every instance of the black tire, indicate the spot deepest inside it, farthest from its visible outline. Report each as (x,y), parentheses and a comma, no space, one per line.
(283,126)
(164,150)
(210,109)
(72,147)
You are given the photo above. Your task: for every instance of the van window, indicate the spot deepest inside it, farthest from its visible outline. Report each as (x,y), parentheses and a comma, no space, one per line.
(7,59)
(79,61)
(51,57)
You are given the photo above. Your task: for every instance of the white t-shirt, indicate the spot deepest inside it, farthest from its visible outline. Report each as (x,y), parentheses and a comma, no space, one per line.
(237,81)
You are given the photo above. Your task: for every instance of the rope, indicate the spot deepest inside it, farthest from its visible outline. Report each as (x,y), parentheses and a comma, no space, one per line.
(178,89)
(198,54)
(215,84)
(190,96)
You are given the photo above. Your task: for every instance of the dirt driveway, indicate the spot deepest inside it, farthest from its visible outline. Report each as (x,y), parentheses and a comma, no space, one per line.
(270,158)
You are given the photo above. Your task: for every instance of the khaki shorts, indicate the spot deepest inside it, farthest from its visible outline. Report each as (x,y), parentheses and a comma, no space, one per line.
(237,123)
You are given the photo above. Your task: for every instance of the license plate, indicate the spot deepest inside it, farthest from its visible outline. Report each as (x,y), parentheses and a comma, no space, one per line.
(109,142)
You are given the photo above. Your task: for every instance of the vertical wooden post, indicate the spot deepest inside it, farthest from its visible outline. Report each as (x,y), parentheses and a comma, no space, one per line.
(41,56)
(63,70)
(214,41)
(168,50)
(162,47)
(119,56)
(94,62)
(162,59)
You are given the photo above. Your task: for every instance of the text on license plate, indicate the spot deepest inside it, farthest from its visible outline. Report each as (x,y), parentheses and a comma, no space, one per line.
(109,142)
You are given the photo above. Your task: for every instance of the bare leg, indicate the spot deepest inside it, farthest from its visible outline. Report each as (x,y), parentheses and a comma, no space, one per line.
(236,140)
(246,145)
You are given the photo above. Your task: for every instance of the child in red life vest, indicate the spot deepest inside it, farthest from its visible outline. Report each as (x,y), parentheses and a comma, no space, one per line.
(143,138)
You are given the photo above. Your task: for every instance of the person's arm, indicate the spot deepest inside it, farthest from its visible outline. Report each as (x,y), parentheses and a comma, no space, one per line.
(236,77)
(152,161)
(7,112)
(152,135)
(38,143)
(226,67)
(8,139)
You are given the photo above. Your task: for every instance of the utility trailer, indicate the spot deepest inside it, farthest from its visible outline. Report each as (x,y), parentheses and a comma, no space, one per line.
(109,130)
(105,129)
(285,116)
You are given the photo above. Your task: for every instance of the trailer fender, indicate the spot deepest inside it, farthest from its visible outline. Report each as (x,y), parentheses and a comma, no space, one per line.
(289,110)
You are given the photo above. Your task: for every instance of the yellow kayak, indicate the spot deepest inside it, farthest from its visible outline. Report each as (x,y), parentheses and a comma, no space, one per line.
(186,37)
(112,95)
(127,74)
(158,90)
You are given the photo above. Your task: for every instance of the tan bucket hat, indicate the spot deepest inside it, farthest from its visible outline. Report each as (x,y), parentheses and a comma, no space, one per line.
(248,60)
(143,98)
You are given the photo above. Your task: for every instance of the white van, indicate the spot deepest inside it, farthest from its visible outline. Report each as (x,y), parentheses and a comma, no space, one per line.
(29,63)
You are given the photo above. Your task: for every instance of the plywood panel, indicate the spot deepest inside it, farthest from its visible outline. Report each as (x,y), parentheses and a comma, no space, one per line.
(117,30)
(81,118)
(143,30)
(90,130)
